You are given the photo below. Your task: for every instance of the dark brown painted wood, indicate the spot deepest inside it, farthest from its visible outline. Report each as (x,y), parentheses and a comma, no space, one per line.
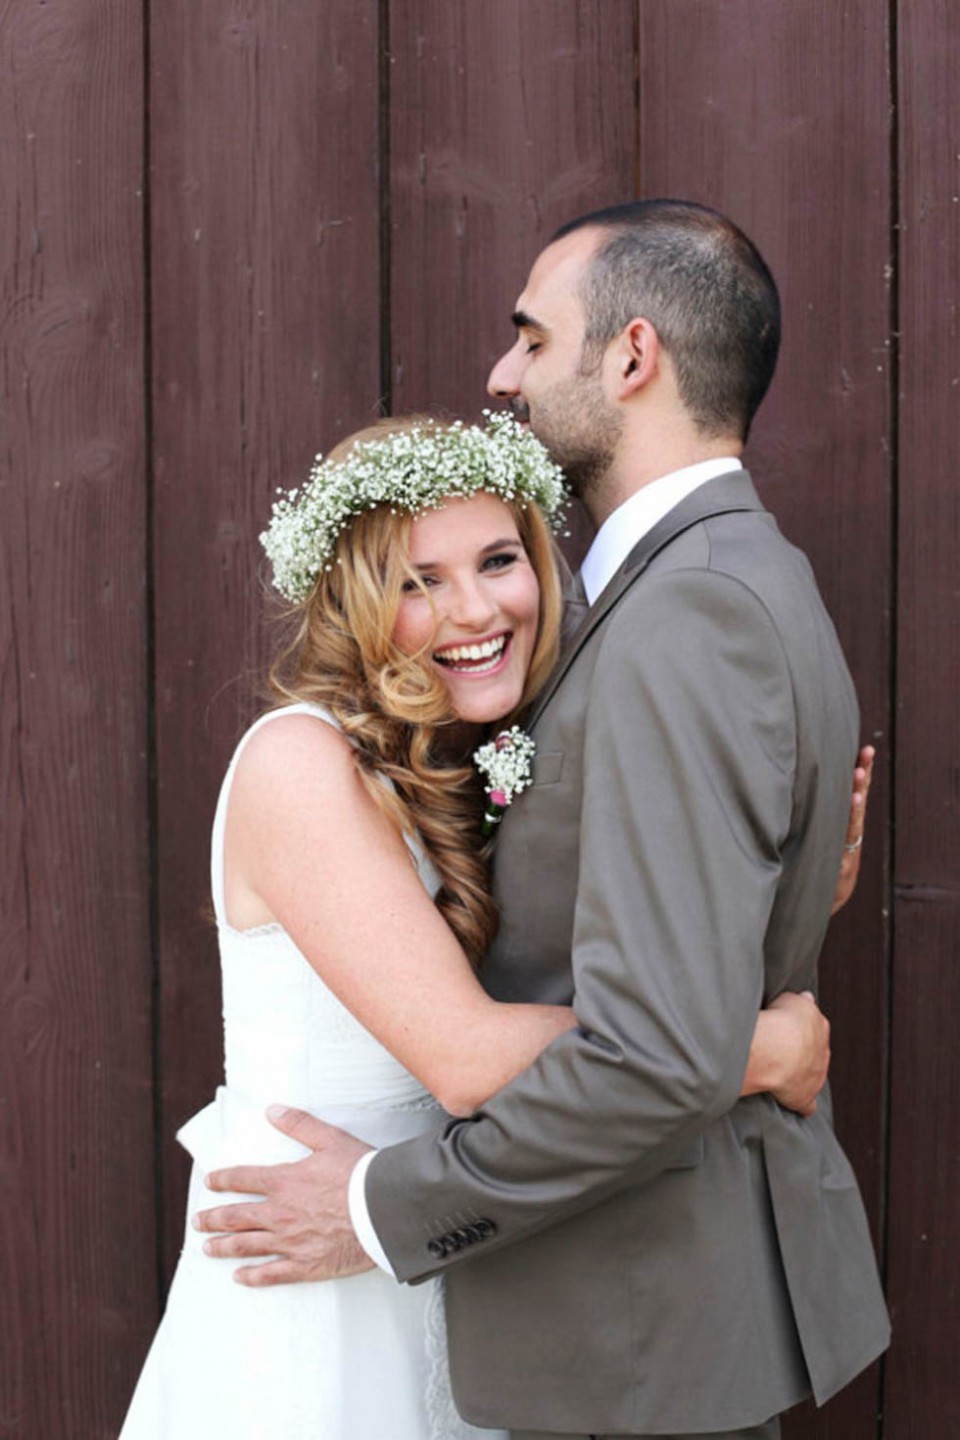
(265,233)
(265,193)
(76,1175)
(505,121)
(778,116)
(922,1391)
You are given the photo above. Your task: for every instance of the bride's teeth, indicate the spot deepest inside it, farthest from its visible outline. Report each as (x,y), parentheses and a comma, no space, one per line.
(458,654)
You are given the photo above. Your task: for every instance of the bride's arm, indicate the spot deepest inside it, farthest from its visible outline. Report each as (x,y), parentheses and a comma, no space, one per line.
(307,846)
(853,846)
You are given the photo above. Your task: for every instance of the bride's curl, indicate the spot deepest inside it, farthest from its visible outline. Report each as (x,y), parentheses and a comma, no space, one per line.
(394,708)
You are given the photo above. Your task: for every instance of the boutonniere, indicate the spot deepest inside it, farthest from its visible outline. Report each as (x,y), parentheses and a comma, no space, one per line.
(507,764)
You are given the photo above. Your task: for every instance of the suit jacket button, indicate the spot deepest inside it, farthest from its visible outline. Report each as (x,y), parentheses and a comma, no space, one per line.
(436,1249)
(486,1228)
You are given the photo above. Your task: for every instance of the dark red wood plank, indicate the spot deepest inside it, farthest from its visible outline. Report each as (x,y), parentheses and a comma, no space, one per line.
(505,121)
(78,1294)
(922,1393)
(778,115)
(265,236)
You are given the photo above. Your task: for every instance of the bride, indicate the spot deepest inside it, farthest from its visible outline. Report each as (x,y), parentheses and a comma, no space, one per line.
(349,878)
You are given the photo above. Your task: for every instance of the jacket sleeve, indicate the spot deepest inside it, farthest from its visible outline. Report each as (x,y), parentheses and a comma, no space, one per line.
(689,759)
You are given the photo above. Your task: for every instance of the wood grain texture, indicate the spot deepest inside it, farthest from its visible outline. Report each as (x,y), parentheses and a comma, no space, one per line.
(778,116)
(922,1392)
(268,199)
(76,1137)
(265,232)
(505,121)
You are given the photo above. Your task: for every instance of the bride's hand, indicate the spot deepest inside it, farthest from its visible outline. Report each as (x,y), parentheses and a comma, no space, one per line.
(303,1219)
(853,844)
(790,1053)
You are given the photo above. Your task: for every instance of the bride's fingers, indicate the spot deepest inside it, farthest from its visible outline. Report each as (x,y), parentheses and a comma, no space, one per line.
(862,778)
(863,774)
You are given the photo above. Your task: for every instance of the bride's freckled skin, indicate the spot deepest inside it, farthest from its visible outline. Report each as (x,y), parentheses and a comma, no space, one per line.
(479,612)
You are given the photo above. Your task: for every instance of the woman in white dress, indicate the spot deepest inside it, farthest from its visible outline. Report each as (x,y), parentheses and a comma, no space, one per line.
(349,879)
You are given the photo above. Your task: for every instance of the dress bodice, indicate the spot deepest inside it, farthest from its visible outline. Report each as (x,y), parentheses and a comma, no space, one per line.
(287,1038)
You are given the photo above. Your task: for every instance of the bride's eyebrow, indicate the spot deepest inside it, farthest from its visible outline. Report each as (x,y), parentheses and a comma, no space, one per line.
(508,540)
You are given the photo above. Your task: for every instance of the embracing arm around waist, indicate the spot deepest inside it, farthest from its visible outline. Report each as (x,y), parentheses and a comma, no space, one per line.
(308,847)
(689,752)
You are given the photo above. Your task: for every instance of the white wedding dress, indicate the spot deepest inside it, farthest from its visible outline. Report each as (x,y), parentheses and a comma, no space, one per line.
(357,1359)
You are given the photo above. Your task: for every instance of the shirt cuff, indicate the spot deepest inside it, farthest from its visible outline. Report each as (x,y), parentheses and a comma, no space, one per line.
(360,1215)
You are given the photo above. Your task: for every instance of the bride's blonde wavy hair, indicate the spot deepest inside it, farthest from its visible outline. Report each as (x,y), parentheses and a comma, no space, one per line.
(394,707)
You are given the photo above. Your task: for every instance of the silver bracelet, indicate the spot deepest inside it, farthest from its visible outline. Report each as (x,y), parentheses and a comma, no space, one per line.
(852,849)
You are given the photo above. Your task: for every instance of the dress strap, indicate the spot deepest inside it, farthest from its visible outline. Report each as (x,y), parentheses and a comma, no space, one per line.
(217,887)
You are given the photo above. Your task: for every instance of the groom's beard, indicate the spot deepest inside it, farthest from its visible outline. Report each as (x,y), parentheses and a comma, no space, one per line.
(579,430)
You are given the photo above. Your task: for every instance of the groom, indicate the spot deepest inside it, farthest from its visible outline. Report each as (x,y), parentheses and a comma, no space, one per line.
(629,1249)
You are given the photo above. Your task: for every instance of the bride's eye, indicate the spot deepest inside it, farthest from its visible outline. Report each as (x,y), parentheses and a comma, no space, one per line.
(501,561)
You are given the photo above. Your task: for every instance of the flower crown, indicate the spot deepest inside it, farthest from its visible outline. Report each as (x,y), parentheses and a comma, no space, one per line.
(413,470)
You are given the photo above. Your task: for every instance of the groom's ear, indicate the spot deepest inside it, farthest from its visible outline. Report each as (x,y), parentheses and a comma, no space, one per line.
(637,357)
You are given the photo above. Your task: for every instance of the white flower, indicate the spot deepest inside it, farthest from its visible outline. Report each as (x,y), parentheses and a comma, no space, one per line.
(412,471)
(507,763)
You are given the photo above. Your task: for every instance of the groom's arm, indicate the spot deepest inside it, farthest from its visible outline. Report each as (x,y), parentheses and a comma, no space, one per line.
(689,764)
(690,759)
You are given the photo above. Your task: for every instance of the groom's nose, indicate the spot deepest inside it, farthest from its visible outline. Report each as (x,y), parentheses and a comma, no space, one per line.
(504,378)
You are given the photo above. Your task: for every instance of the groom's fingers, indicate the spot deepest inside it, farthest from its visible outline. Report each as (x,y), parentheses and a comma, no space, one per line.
(230,1217)
(275,1272)
(301,1125)
(242,1246)
(295,1270)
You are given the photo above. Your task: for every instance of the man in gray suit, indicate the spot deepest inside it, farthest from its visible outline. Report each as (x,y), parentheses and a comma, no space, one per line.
(630,1249)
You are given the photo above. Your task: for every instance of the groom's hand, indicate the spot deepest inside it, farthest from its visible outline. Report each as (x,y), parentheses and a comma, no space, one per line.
(303,1220)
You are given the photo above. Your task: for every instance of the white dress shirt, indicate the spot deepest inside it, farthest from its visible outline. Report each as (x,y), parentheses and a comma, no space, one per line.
(628,524)
(617,536)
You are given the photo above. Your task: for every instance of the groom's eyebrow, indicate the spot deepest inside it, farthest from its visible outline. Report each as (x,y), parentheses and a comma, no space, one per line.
(523,321)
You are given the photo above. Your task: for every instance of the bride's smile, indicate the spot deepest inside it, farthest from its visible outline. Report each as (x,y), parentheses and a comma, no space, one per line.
(474,606)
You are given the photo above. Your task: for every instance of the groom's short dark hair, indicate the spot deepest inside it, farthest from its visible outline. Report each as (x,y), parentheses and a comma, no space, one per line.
(705,288)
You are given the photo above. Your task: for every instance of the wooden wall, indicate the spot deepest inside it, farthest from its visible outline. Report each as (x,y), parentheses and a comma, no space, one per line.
(233,232)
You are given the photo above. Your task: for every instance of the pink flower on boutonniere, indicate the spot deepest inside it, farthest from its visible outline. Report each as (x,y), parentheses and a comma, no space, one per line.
(507,764)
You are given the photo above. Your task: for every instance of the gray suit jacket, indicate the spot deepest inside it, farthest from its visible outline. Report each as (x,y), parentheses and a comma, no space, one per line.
(630,1247)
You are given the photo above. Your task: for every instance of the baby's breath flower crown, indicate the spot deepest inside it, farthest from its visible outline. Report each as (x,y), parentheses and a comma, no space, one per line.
(413,470)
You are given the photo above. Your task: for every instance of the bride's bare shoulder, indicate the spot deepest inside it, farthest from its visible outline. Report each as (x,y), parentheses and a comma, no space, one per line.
(294,755)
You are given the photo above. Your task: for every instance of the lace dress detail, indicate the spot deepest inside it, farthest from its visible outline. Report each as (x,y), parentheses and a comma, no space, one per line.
(357,1359)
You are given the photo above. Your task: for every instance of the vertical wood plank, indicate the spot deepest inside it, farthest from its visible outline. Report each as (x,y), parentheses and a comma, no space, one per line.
(922,1395)
(505,121)
(778,115)
(78,1293)
(265,245)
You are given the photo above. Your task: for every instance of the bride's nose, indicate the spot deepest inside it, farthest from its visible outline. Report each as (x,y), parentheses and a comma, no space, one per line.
(471,606)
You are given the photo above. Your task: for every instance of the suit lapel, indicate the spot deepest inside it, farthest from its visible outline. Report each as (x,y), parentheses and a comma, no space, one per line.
(727,493)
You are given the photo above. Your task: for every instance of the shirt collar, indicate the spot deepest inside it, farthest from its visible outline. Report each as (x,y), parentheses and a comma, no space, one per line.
(628,524)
